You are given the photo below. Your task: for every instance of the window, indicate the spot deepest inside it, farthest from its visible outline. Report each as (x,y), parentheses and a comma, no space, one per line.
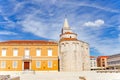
(102,59)
(49,64)
(3,64)
(103,65)
(49,52)
(38,52)
(4,52)
(15,63)
(38,64)
(15,52)
(27,52)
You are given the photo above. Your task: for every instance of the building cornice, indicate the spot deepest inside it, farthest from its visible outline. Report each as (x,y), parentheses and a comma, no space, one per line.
(68,39)
(28,42)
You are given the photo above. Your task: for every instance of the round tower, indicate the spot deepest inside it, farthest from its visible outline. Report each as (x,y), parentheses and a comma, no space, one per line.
(70,55)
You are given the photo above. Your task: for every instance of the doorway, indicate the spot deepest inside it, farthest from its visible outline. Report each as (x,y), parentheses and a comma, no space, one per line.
(26,65)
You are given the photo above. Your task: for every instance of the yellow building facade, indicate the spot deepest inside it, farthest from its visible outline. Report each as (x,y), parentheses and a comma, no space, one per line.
(36,55)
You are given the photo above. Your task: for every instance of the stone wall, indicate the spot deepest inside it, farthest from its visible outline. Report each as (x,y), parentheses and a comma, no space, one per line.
(7,77)
(15,78)
(4,77)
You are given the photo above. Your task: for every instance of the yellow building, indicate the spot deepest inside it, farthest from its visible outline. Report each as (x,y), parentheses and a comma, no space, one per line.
(36,55)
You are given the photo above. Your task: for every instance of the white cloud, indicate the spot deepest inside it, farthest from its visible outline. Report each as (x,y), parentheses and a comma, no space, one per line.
(119,33)
(93,6)
(105,46)
(119,37)
(96,23)
(7,33)
(35,25)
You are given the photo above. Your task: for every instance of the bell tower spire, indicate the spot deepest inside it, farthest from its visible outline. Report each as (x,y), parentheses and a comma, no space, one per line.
(67,33)
(66,27)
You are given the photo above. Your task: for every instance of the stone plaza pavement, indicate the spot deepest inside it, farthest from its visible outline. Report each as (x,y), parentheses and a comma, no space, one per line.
(88,75)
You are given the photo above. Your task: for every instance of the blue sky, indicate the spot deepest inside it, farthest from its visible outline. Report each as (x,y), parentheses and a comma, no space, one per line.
(95,21)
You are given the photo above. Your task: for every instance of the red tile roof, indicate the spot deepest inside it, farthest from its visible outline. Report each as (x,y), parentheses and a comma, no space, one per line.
(92,57)
(102,56)
(28,42)
(68,39)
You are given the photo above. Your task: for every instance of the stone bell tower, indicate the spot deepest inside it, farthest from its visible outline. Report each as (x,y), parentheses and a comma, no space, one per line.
(73,54)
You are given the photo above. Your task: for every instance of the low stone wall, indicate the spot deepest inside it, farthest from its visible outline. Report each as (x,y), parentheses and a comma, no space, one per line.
(84,75)
(82,78)
(4,77)
(15,78)
(108,71)
(7,77)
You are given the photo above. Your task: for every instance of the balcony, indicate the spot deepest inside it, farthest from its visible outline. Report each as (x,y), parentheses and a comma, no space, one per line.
(27,58)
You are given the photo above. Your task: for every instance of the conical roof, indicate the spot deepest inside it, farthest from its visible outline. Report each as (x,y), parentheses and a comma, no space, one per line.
(66,25)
